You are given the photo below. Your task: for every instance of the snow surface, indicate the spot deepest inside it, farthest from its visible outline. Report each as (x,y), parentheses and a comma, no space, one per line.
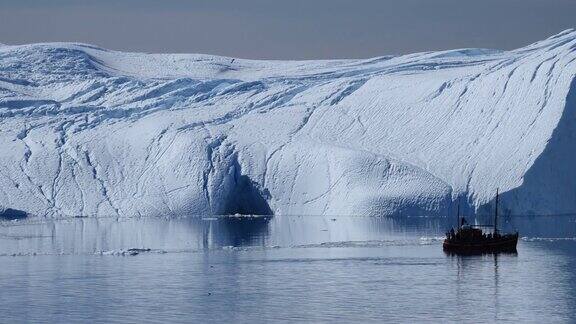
(88,131)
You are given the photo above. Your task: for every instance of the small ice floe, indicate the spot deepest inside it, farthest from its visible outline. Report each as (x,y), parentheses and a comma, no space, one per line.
(128,252)
(20,254)
(137,251)
(354,244)
(234,248)
(547,239)
(426,240)
(248,248)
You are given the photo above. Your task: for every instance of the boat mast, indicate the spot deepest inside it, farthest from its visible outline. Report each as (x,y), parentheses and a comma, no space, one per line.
(496,214)
(458,214)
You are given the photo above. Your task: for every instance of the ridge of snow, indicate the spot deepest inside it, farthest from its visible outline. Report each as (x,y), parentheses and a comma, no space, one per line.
(90,131)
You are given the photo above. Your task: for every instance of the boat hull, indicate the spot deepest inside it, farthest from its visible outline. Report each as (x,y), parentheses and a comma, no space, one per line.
(506,244)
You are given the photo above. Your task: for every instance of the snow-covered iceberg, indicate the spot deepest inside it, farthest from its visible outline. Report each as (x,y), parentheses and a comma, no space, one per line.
(88,131)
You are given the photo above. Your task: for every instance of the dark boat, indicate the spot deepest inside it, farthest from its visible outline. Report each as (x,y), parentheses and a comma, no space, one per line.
(471,239)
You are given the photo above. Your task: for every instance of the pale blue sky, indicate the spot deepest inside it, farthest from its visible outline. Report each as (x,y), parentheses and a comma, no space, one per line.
(289,29)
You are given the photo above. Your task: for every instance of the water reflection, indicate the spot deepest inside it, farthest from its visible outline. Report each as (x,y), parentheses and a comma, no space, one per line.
(286,267)
(92,235)
(235,231)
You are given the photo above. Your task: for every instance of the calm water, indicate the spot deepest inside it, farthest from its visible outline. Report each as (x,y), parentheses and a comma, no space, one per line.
(287,268)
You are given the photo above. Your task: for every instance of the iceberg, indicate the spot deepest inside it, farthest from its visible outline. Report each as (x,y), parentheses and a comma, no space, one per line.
(86,131)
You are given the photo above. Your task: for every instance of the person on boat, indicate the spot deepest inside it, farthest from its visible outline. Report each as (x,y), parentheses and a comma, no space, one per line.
(452,234)
(464,222)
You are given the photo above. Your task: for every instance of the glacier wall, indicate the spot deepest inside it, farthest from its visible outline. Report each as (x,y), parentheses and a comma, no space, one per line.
(88,131)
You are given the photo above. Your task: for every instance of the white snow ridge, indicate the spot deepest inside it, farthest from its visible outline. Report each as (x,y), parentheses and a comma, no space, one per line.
(87,131)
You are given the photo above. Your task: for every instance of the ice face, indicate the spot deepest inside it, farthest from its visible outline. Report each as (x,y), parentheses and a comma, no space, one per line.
(87,131)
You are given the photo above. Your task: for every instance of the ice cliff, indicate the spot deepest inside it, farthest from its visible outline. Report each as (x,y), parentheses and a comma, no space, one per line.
(88,131)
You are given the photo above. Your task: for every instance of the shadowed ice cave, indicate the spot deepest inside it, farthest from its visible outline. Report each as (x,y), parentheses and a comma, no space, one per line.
(245,197)
(12,214)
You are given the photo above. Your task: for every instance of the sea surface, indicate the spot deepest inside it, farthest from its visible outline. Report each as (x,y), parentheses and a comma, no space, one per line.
(232,269)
